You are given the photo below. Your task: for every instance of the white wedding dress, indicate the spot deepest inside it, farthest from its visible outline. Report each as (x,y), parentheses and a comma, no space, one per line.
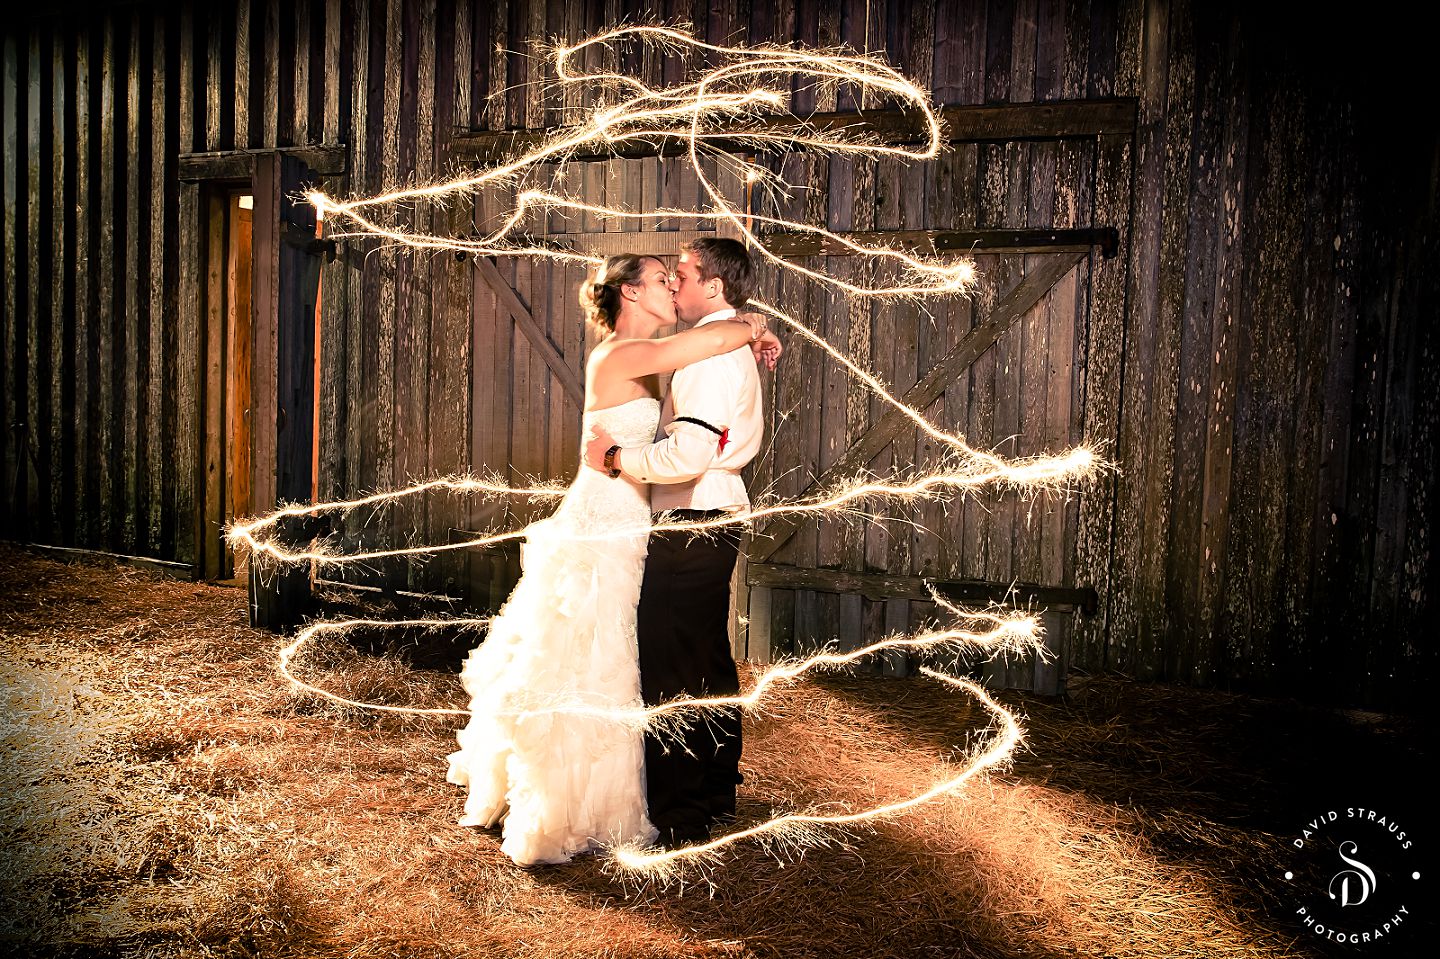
(565,783)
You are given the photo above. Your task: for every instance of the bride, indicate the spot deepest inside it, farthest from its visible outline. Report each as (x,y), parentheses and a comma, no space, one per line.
(537,753)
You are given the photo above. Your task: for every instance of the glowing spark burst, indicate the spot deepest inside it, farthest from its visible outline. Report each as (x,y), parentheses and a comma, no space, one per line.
(726,103)
(798,830)
(736,101)
(1011,631)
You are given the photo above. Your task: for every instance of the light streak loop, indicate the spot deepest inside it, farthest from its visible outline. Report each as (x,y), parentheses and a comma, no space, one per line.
(1013,631)
(734,102)
(729,93)
(1038,472)
(662,864)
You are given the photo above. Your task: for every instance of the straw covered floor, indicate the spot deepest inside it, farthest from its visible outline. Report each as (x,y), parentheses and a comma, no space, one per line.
(166,793)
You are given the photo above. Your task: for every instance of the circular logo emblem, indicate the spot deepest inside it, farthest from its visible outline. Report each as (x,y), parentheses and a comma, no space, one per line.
(1355,876)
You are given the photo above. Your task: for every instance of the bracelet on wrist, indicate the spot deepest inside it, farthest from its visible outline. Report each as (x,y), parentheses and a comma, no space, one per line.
(610,466)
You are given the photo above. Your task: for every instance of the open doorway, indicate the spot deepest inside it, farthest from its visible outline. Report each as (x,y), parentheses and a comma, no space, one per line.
(228,370)
(258,309)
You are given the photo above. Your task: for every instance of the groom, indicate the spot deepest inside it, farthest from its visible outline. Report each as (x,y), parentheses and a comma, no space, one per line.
(711,425)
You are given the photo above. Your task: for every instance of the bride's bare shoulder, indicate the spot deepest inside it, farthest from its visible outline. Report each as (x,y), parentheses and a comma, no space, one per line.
(599,379)
(595,361)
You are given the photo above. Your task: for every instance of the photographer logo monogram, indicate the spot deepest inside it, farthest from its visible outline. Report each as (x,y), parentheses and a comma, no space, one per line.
(1363,876)
(1355,876)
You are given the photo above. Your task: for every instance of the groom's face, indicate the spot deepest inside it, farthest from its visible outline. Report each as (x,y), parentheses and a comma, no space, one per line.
(694,298)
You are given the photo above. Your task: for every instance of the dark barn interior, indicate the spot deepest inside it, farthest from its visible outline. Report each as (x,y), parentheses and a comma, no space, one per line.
(1206,239)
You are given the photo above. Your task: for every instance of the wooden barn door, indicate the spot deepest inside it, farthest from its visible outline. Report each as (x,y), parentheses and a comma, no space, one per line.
(1004,368)
(283,361)
(531,341)
(225,493)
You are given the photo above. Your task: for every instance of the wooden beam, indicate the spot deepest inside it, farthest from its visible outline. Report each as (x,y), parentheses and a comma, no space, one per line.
(1052,120)
(648,243)
(999,122)
(67,554)
(210,551)
(228,165)
(878,586)
(1008,310)
(240,164)
(298,283)
(553,359)
(264,312)
(932,242)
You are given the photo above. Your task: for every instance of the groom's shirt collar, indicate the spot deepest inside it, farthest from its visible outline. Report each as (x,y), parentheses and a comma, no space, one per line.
(725,314)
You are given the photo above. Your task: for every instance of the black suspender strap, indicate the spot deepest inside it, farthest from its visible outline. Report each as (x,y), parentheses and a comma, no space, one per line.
(690,419)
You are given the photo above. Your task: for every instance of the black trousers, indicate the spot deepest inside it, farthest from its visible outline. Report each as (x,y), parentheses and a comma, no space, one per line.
(683,626)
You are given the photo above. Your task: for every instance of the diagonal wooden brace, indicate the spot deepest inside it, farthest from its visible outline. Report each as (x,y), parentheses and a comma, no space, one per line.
(1007,312)
(554,360)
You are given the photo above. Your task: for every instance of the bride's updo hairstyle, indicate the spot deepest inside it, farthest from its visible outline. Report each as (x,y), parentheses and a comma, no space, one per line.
(600,293)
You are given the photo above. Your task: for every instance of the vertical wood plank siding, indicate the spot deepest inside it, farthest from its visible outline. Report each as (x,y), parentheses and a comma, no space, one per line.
(1258,359)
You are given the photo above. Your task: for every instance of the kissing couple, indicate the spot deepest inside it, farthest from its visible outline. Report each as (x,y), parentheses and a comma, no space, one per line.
(607,616)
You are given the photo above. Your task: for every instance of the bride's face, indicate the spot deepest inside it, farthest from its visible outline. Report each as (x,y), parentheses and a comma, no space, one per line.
(652,295)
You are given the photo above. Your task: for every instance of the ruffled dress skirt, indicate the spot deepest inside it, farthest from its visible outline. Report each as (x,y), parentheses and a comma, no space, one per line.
(553,749)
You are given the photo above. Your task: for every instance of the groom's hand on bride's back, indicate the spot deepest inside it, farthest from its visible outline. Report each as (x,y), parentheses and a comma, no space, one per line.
(600,441)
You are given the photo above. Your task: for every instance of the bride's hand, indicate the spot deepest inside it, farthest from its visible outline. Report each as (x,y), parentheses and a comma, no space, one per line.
(767,350)
(758,325)
(600,441)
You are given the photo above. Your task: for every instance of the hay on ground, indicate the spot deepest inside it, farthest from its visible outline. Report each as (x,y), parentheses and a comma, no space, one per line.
(165,792)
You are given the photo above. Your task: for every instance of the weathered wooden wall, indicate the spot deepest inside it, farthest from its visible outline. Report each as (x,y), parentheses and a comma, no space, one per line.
(1274,519)
(92,381)
(1259,359)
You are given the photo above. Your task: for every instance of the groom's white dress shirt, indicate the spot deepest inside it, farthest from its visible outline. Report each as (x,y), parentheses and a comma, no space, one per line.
(687,464)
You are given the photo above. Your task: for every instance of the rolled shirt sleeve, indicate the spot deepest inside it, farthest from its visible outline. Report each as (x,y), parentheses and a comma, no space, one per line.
(702,391)
(690,468)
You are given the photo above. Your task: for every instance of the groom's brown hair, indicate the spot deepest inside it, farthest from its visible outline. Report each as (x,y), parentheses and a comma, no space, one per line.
(727,260)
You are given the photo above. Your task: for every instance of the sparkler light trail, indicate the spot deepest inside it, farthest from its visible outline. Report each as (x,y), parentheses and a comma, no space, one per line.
(742,100)
(1013,632)
(798,830)
(1037,472)
(725,106)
